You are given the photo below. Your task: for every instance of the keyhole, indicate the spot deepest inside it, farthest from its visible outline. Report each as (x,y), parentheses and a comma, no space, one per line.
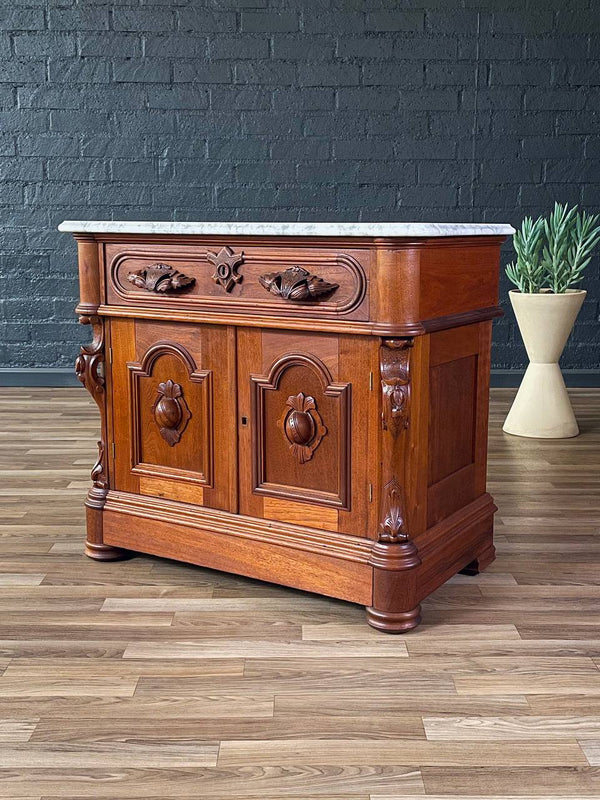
(244,420)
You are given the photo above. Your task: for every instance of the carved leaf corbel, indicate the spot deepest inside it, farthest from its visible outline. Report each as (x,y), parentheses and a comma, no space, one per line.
(98,475)
(395,384)
(89,369)
(89,365)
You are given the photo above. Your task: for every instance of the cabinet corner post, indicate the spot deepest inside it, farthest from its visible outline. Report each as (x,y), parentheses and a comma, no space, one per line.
(394,556)
(90,370)
(89,274)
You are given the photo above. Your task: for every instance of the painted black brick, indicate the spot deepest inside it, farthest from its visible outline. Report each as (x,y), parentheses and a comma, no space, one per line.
(280,110)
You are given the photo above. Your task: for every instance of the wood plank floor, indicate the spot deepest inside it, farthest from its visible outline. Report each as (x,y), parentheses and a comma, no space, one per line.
(157,680)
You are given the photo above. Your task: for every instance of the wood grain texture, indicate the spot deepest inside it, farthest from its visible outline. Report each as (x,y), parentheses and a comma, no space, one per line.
(160,680)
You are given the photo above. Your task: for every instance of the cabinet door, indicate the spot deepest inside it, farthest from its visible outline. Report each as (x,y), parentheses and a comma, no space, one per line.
(174,411)
(304,408)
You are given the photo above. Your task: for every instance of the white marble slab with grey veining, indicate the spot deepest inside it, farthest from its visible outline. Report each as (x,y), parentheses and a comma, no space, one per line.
(362,229)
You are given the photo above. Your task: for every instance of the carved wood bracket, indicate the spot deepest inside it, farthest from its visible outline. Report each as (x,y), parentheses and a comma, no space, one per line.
(302,426)
(89,365)
(395,384)
(160,278)
(226,263)
(296,284)
(171,412)
(394,369)
(89,369)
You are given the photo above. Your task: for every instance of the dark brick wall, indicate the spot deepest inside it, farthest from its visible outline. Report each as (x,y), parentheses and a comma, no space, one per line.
(445,110)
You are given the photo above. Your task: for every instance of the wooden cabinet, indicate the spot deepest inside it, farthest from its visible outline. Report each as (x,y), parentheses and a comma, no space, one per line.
(302,410)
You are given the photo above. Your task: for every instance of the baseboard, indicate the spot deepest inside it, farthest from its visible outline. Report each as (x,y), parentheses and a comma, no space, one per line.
(574,378)
(65,376)
(38,376)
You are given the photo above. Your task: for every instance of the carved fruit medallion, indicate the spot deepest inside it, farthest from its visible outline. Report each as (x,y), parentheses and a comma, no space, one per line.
(302,426)
(171,412)
(226,263)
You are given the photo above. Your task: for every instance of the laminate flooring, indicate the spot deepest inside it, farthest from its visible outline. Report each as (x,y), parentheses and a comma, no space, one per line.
(158,680)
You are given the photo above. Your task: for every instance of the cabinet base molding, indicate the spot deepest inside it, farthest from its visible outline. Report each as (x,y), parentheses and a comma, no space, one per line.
(243,546)
(325,562)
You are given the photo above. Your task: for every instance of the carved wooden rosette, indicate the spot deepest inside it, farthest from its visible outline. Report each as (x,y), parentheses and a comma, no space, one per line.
(296,284)
(171,412)
(302,426)
(89,368)
(226,263)
(160,278)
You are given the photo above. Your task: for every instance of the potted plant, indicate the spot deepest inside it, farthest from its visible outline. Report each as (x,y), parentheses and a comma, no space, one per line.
(551,256)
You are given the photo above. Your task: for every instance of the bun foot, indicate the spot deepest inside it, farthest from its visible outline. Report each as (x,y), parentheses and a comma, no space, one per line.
(394,621)
(481,562)
(104,552)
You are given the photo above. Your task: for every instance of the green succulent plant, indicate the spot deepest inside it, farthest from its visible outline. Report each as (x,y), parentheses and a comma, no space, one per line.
(527,272)
(553,252)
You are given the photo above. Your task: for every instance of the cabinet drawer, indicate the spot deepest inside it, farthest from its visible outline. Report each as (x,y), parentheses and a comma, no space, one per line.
(237,279)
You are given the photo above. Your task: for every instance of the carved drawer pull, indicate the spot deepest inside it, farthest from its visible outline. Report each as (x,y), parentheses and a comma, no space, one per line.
(170,412)
(296,284)
(302,426)
(160,278)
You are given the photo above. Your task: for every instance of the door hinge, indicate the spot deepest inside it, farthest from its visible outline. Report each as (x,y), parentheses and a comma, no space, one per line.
(370,381)
(110,355)
(370,493)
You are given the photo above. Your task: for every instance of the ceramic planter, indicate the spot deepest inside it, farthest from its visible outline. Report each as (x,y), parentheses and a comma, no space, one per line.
(542,408)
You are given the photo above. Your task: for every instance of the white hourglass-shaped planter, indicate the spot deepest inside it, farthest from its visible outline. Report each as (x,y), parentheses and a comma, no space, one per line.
(542,408)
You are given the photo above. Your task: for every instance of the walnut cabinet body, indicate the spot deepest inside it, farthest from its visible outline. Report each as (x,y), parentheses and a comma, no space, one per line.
(307,410)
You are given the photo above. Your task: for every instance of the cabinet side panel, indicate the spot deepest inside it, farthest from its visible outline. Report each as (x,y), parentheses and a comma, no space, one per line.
(458,278)
(458,375)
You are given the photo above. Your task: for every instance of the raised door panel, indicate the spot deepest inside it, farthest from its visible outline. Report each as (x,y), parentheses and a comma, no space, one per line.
(304,401)
(174,416)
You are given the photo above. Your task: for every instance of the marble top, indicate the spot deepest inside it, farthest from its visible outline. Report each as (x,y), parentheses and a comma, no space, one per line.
(363,229)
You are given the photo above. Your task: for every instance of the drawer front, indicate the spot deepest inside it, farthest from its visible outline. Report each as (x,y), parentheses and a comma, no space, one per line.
(221,278)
